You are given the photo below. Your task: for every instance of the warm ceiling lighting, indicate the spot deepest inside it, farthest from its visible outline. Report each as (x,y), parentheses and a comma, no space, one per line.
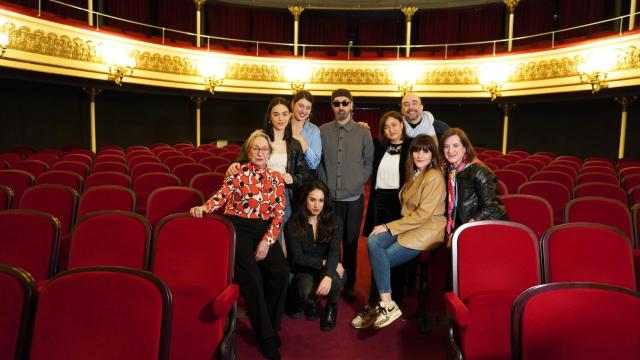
(405,76)
(297,73)
(492,77)
(4,42)
(595,68)
(119,61)
(213,72)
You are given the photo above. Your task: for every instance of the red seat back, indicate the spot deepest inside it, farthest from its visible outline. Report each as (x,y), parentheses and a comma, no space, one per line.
(588,177)
(30,240)
(58,200)
(120,167)
(148,167)
(61,177)
(576,321)
(108,178)
(18,181)
(111,238)
(174,161)
(532,211)
(106,197)
(33,167)
(207,183)
(526,169)
(77,167)
(150,158)
(147,183)
(512,178)
(85,159)
(187,171)
(102,313)
(48,159)
(601,211)
(588,252)
(555,176)
(17,303)
(6,197)
(604,190)
(171,200)
(556,194)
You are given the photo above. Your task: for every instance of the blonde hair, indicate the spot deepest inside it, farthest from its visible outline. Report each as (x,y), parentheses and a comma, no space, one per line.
(256,134)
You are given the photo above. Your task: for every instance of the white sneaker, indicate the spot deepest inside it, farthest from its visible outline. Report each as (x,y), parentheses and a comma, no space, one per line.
(386,315)
(364,319)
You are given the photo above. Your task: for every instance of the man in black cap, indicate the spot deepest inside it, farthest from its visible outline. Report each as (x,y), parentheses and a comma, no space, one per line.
(347,157)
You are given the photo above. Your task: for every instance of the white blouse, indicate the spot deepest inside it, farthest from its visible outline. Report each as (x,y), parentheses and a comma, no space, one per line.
(388,176)
(278,162)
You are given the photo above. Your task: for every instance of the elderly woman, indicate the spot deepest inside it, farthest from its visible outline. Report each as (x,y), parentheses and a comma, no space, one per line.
(472,188)
(254,202)
(420,228)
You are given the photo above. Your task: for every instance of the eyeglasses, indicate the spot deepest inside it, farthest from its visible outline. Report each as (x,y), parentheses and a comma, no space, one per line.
(344,103)
(257,150)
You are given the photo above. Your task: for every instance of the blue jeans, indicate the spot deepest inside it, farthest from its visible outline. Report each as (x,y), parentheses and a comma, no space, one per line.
(385,253)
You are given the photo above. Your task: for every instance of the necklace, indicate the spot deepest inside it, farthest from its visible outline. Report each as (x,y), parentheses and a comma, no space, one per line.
(394,149)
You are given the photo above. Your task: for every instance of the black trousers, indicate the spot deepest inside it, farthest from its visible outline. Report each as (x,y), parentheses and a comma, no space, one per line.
(263,284)
(305,285)
(350,212)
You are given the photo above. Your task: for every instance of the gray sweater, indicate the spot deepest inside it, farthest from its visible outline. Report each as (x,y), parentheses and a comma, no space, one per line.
(347,158)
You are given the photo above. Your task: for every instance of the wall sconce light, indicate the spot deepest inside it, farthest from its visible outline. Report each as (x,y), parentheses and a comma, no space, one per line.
(492,77)
(120,63)
(213,72)
(298,74)
(405,76)
(594,69)
(4,42)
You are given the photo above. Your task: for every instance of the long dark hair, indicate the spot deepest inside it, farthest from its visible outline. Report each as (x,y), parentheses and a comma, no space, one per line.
(268,127)
(300,218)
(425,143)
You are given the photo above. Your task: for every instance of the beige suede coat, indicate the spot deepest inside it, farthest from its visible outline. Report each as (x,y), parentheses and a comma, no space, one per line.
(423,220)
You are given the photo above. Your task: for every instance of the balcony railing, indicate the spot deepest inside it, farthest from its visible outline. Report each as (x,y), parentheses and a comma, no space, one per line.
(547,40)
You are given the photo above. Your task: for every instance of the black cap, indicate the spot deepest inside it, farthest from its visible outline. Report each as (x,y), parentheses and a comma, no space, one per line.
(341,92)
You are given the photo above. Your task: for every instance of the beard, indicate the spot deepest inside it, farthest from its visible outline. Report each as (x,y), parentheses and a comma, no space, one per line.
(412,115)
(342,115)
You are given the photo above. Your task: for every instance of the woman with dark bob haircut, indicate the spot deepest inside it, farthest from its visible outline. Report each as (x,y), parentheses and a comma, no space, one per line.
(313,237)
(472,188)
(420,228)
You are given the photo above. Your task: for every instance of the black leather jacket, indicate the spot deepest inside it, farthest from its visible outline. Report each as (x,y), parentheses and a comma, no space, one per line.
(478,195)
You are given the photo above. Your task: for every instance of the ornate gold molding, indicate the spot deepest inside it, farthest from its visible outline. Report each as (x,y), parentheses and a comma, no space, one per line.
(199,4)
(511,4)
(296,11)
(176,67)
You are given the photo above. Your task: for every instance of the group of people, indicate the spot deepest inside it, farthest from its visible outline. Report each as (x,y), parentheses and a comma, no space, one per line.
(296,200)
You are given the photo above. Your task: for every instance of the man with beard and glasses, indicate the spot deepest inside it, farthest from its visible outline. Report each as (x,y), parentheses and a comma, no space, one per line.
(347,158)
(417,121)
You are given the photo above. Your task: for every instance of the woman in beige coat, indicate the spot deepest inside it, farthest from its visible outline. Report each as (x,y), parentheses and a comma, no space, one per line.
(420,228)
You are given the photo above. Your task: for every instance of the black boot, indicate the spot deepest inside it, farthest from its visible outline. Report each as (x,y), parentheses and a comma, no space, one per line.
(330,317)
(269,348)
(311,311)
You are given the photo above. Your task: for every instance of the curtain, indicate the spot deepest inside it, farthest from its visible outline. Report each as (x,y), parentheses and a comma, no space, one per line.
(533,17)
(438,26)
(580,12)
(65,11)
(229,21)
(317,28)
(274,25)
(177,15)
(139,10)
(380,32)
(482,23)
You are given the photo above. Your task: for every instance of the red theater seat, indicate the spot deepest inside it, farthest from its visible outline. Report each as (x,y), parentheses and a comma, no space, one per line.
(601,211)
(77,167)
(49,159)
(207,183)
(608,191)
(139,159)
(111,238)
(33,167)
(590,177)
(18,181)
(532,211)
(512,178)
(493,262)
(523,168)
(174,161)
(556,194)
(17,305)
(107,178)
(113,166)
(102,313)
(106,197)
(85,159)
(576,321)
(61,177)
(30,240)
(109,158)
(6,197)
(147,183)
(187,171)
(588,252)
(148,167)
(555,176)
(195,258)
(171,200)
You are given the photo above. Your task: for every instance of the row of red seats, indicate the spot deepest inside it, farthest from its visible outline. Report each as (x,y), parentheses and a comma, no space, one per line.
(495,262)
(96,313)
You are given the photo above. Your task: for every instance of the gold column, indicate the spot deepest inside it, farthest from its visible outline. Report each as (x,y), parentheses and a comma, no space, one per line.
(511,5)
(632,15)
(90,12)
(296,11)
(505,124)
(408,12)
(624,101)
(92,92)
(199,4)
(199,100)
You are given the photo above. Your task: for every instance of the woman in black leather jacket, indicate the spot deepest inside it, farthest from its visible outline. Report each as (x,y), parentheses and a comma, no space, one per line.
(472,188)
